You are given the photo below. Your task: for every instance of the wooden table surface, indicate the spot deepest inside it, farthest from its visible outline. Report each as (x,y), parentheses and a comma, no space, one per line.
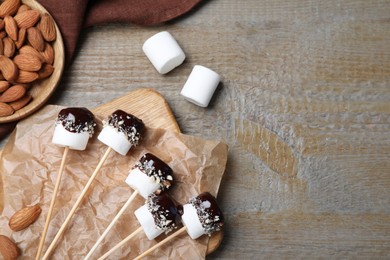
(304,107)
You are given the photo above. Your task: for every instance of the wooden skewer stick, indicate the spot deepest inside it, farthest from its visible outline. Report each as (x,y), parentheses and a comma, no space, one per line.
(121,243)
(162,242)
(77,204)
(127,204)
(53,199)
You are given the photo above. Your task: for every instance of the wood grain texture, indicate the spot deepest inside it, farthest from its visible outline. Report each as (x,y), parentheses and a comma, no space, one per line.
(144,103)
(304,106)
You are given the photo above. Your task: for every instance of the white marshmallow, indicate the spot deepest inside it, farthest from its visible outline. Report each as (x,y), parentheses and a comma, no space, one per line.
(115,139)
(142,183)
(75,141)
(145,218)
(163,52)
(200,85)
(191,221)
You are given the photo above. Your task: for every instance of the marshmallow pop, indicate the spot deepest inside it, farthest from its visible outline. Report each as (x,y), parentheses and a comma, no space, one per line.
(73,128)
(149,175)
(120,132)
(201,215)
(158,215)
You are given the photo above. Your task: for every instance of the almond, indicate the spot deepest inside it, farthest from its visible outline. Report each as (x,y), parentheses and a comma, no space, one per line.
(13,93)
(8,249)
(21,102)
(48,54)
(6,110)
(4,85)
(24,217)
(27,76)
(8,68)
(27,62)
(21,38)
(23,8)
(9,7)
(11,27)
(27,18)
(45,71)
(2,34)
(9,47)
(27,49)
(35,38)
(47,27)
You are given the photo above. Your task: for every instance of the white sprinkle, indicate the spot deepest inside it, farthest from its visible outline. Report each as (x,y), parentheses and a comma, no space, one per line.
(206,204)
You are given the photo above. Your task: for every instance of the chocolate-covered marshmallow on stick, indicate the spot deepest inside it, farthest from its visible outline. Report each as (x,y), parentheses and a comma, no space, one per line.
(149,175)
(200,216)
(158,215)
(73,128)
(120,132)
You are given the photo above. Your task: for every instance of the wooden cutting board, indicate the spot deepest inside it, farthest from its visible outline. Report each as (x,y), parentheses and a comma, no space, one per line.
(156,113)
(154,110)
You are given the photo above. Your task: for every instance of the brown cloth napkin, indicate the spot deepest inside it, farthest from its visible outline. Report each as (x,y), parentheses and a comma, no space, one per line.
(73,15)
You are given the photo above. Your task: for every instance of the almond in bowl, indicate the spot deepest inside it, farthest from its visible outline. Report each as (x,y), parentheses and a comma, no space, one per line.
(31,58)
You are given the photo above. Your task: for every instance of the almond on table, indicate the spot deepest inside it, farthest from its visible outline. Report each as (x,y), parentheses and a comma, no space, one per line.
(8,249)
(24,217)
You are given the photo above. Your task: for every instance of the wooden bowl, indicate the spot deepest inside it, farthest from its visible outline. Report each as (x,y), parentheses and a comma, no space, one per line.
(41,90)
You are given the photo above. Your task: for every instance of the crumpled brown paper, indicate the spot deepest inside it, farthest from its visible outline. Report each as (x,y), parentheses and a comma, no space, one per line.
(29,168)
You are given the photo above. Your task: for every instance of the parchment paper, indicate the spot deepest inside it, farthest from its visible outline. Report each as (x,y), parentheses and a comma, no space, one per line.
(29,168)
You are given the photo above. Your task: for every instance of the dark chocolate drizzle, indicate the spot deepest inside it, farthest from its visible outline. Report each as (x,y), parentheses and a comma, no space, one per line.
(77,120)
(164,211)
(210,215)
(131,126)
(153,167)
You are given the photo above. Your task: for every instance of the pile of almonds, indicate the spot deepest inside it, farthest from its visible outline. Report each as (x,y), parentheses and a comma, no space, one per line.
(26,52)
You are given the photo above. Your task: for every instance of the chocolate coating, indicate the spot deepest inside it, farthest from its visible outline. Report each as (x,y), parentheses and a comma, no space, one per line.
(152,166)
(76,120)
(164,211)
(128,124)
(210,215)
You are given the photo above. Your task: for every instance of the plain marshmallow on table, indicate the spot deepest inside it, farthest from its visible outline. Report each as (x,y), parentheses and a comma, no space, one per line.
(75,141)
(200,85)
(111,137)
(142,183)
(145,218)
(191,221)
(163,51)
